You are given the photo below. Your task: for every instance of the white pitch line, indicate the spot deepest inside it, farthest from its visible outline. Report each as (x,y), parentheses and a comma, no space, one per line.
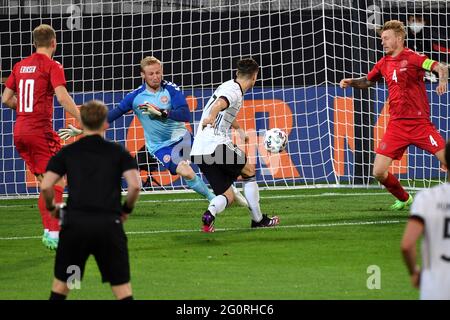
(328,194)
(298,226)
(287,196)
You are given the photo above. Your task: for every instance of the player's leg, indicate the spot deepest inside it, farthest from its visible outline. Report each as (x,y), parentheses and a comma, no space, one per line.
(251,192)
(110,250)
(221,183)
(217,205)
(25,150)
(239,199)
(392,147)
(123,291)
(35,150)
(60,290)
(70,261)
(51,235)
(381,173)
(193,181)
(172,159)
(429,139)
(52,146)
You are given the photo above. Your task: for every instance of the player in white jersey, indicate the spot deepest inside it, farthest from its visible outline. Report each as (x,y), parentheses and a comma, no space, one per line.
(219,159)
(162,110)
(430,217)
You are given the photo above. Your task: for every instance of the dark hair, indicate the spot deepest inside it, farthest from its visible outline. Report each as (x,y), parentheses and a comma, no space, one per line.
(93,114)
(247,67)
(447,154)
(43,35)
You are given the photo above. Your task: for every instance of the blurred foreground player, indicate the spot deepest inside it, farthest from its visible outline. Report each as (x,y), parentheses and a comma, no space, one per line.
(430,219)
(92,221)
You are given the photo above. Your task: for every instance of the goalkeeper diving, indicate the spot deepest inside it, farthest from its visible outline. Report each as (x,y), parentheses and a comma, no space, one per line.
(162,109)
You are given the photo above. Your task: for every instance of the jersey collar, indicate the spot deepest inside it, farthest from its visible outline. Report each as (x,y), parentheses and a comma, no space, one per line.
(242,91)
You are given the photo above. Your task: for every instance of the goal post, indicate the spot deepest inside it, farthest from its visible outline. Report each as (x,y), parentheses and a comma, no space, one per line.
(304,48)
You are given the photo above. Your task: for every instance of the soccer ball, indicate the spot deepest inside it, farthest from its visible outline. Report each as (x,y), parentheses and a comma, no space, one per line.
(275,140)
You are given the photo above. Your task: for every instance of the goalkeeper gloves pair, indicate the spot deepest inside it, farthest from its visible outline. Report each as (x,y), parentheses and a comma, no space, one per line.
(153,111)
(147,109)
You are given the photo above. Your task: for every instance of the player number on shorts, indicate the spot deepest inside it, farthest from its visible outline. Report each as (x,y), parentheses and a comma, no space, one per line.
(432,141)
(394,76)
(26,94)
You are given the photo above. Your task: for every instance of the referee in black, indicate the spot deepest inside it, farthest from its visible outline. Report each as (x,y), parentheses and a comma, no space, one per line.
(92,220)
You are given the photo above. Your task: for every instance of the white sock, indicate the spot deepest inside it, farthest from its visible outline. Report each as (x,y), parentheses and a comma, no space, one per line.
(53,234)
(251,192)
(217,204)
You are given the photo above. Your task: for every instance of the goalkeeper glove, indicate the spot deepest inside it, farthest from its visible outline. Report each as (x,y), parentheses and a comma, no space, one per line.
(71,131)
(153,111)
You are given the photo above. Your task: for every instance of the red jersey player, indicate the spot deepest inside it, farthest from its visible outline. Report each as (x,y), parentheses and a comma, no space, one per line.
(409,109)
(29,90)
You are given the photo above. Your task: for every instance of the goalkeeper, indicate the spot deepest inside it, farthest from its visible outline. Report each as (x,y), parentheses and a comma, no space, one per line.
(162,110)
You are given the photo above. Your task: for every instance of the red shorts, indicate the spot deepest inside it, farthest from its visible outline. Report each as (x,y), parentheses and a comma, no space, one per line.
(36,150)
(401,133)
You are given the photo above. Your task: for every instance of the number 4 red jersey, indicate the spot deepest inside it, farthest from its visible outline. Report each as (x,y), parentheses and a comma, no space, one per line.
(404,77)
(34,80)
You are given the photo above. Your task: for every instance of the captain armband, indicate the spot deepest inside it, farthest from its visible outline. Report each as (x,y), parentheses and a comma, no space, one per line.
(427,64)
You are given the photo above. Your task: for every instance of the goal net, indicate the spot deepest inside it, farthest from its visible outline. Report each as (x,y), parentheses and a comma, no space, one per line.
(304,48)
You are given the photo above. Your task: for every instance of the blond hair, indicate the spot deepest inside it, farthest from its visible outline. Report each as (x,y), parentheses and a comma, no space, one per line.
(395,25)
(43,36)
(149,61)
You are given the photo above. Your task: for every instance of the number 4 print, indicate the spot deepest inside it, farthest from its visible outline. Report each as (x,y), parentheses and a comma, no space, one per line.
(432,141)
(394,76)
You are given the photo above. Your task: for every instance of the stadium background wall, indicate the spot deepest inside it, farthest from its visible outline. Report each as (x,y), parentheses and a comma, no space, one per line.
(307,34)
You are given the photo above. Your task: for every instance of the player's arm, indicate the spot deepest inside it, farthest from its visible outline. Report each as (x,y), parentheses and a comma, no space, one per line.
(442,70)
(179,110)
(9,98)
(414,230)
(69,105)
(359,83)
(124,106)
(134,186)
(67,102)
(235,125)
(220,104)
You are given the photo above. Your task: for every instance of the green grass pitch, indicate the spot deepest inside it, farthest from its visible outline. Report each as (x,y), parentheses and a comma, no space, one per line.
(322,249)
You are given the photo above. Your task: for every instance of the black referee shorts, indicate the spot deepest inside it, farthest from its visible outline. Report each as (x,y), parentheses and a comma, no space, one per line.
(101,236)
(222,167)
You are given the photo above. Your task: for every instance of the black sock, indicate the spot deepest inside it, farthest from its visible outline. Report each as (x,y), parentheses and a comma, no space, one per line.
(57,296)
(128,298)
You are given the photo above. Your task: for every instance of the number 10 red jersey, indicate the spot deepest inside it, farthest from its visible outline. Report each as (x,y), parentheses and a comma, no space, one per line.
(34,80)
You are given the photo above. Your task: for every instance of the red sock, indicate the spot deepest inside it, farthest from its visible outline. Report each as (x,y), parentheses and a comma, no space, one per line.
(393,185)
(43,211)
(53,222)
